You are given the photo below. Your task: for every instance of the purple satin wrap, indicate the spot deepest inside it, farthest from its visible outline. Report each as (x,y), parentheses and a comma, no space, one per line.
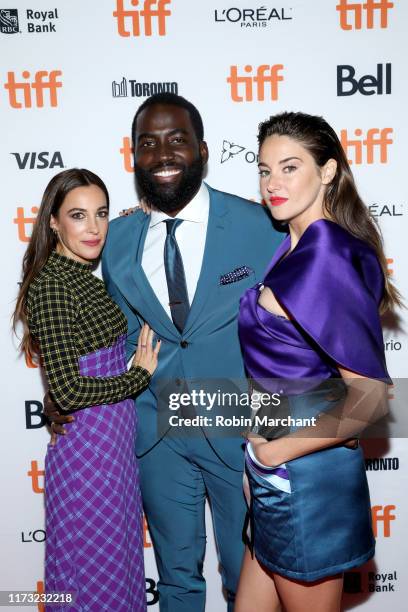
(331,285)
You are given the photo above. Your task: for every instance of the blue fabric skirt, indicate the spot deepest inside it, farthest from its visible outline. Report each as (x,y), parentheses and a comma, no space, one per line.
(311,517)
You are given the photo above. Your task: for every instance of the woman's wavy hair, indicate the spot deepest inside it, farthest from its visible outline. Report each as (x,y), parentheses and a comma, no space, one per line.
(342,202)
(43,241)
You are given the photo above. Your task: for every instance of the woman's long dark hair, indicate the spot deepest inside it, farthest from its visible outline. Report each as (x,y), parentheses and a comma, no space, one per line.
(342,202)
(43,240)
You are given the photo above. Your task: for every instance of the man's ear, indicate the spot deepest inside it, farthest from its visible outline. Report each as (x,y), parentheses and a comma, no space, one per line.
(204,151)
(328,171)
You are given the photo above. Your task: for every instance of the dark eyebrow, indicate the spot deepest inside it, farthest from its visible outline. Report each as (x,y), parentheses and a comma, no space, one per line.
(171,133)
(282,161)
(76,209)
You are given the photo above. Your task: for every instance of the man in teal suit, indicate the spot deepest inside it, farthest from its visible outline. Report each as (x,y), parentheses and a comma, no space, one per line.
(185,280)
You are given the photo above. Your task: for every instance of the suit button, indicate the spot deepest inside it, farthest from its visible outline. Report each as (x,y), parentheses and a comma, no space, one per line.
(184,344)
(178,382)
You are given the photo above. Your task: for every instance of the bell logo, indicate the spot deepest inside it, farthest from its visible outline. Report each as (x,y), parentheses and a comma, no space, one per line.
(375,140)
(127,153)
(265,74)
(35,475)
(382,514)
(43,80)
(22,221)
(356,10)
(151,8)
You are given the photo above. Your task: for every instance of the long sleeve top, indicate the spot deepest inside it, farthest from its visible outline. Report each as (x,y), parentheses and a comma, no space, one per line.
(70,314)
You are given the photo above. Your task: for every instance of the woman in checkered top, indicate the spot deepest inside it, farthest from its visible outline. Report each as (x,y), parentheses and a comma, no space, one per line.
(93,507)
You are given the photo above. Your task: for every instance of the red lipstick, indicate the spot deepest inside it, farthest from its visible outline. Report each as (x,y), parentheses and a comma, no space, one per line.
(276,201)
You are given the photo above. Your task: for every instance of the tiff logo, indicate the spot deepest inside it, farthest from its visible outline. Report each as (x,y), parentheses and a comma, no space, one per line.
(355,11)
(127,152)
(35,474)
(43,81)
(242,87)
(375,140)
(151,9)
(382,514)
(22,221)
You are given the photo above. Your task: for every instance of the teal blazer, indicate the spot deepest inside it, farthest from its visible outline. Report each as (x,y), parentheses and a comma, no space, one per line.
(240,233)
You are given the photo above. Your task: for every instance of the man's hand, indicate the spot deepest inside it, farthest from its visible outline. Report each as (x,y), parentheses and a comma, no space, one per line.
(143,205)
(56,419)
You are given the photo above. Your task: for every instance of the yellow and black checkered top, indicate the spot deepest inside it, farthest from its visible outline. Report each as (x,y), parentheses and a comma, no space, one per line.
(70,314)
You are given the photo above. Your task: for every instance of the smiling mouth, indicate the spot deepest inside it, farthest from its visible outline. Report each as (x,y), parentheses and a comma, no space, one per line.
(166,172)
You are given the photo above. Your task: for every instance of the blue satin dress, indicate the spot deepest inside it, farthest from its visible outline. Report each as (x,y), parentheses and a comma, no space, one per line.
(311,517)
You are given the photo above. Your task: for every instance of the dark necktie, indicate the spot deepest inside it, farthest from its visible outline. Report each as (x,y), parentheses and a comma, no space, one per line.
(176,279)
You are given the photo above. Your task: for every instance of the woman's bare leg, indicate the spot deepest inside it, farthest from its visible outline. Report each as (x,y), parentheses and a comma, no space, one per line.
(320,596)
(256,588)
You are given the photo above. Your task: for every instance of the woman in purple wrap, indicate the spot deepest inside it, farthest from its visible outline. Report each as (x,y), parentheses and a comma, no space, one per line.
(94,547)
(311,331)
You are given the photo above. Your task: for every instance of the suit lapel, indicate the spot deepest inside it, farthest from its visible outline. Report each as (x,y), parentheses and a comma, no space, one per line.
(135,286)
(209,275)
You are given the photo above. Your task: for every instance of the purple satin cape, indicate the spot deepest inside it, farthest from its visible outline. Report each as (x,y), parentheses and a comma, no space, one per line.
(331,284)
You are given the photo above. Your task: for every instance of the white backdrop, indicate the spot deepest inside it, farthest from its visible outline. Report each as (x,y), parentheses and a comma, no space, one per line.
(73,72)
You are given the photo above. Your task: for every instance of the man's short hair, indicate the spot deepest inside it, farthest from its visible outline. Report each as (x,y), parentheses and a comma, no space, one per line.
(172,100)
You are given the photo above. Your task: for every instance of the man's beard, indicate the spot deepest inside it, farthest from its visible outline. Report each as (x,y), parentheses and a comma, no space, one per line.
(170,198)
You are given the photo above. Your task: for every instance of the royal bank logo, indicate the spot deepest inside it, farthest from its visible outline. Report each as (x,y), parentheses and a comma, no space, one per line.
(231,150)
(370,582)
(138,89)
(9,21)
(37,22)
(259,17)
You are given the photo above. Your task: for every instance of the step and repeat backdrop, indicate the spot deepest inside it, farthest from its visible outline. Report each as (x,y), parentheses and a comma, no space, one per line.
(72,74)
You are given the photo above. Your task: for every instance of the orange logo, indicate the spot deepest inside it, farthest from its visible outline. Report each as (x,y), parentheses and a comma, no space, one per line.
(151,9)
(21,221)
(35,475)
(147,543)
(242,87)
(127,152)
(370,8)
(40,591)
(382,514)
(43,80)
(375,140)
(29,361)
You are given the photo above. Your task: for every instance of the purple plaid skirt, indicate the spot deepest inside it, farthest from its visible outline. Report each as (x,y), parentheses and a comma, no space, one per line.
(94,544)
